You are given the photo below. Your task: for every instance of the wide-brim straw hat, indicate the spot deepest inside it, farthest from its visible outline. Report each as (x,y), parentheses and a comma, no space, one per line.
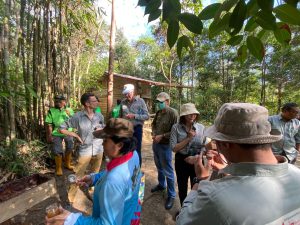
(188,109)
(242,123)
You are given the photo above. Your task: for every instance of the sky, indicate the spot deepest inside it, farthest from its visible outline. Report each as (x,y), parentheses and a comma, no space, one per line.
(130,17)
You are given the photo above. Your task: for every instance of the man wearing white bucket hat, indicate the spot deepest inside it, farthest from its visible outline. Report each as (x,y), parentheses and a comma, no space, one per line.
(259,188)
(135,110)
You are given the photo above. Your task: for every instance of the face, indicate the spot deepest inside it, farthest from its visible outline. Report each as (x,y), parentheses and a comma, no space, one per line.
(190,118)
(290,114)
(111,149)
(92,102)
(60,104)
(129,96)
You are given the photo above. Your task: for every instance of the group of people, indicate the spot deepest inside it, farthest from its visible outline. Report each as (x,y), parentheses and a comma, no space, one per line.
(240,169)
(116,189)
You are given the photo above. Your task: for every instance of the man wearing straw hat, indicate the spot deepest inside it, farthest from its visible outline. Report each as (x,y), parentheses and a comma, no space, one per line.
(260,188)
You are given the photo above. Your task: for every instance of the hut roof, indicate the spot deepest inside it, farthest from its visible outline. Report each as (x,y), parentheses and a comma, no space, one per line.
(150,82)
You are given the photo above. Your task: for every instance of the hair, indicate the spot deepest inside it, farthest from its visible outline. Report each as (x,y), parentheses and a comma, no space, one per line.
(252,147)
(288,106)
(182,119)
(129,144)
(119,101)
(85,98)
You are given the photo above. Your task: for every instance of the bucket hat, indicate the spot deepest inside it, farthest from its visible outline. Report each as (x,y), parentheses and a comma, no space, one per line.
(242,123)
(127,88)
(187,109)
(163,96)
(115,127)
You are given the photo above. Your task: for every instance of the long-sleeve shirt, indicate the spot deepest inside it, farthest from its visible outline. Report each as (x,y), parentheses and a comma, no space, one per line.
(137,107)
(290,131)
(179,133)
(163,122)
(85,128)
(252,194)
(116,195)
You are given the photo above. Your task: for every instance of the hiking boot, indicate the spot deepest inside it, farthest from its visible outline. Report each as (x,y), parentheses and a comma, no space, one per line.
(169,203)
(157,188)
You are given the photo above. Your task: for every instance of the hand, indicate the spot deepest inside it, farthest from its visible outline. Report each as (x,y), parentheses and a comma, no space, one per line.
(191,134)
(157,138)
(49,139)
(67,112)
(216,160)
(85,181)
(78,138)
(130,116)
(59,219)
(202,171)
(191,159)
(211,145)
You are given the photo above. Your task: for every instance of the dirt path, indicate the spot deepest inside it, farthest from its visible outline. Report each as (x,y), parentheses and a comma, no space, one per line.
(153,211)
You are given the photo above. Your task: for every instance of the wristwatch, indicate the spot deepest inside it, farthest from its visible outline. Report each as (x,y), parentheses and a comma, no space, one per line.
(196,180)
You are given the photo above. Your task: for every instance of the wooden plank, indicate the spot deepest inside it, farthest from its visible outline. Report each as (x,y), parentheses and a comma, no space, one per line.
(26,200)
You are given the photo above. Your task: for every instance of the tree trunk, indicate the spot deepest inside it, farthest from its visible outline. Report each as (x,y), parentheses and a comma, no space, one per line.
(110,83)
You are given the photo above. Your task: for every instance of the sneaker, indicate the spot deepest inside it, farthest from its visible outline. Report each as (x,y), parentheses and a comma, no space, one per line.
(157,188)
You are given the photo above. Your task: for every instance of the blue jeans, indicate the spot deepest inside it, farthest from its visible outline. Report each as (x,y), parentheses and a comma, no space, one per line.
(163,162)
(138,134)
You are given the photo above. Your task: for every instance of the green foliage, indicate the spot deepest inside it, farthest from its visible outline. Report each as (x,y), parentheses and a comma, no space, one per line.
(23,158)
(232,16)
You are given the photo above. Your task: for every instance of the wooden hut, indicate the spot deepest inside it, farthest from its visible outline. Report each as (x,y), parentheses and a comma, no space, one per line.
(142,89)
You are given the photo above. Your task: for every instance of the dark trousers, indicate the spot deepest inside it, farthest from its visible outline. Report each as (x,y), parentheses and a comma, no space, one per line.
(184,171)
(138,134)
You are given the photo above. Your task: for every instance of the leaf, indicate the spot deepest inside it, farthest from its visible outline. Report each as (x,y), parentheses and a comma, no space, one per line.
(143,2)
(235,40)
(288,14)
(266,5)
(31,91)
(172,33)
(266,20)
(252,8)
(226,6)
(216,27)
(171,10)
(242,54)
(89,42)
(282,33)
(255,47)
(238,16)
(152,6)
(251,25)
(191,22)
(209,11)
(292,2)
(263,35)
(154,15)
(183,42)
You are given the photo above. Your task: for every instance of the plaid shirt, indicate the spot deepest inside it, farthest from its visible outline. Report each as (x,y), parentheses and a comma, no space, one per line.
(137,107)
(290,131)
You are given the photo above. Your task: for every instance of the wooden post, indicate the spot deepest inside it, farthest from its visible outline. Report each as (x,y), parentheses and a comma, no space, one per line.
(110,81)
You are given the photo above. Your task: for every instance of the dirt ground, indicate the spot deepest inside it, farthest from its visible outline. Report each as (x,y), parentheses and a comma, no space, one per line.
(153,211)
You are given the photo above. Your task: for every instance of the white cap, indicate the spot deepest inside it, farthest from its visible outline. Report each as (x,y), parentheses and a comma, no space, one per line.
(127,89)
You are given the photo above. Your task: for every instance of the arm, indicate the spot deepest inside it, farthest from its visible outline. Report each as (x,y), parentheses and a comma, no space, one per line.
(176,147)
(173,120)
(297,139)
(70,123)
(143,114)
(112,206)
(49,133)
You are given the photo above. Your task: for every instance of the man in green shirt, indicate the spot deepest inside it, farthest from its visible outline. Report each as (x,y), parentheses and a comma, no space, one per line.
(55,117)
